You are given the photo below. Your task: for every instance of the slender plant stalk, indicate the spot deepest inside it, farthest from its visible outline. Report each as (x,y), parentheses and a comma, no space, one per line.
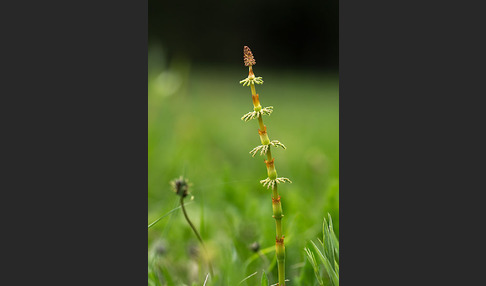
(180,187)
(198,236)
(272,181)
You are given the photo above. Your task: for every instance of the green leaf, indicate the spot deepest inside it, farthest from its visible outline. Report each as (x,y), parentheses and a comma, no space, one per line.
(313,262)
(330,244)
(265,279)
(307,274)
(327,265)
(167,276)
(333,236)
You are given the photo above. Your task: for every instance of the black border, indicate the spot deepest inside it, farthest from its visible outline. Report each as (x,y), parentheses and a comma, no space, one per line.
(410,78)
(75,114)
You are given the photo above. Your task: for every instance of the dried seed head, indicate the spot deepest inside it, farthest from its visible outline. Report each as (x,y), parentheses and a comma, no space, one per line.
(255,246)
(180,186)
(248,57)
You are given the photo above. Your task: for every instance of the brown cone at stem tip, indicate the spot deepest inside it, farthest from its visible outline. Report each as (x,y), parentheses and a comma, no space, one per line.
(248,57)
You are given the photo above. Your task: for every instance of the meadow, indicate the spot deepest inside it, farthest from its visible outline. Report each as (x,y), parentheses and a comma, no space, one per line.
(195,130)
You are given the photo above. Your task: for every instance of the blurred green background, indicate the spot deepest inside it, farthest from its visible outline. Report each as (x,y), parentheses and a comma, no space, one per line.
(194,129)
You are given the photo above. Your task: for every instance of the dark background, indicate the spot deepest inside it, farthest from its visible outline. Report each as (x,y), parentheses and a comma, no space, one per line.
(305,33)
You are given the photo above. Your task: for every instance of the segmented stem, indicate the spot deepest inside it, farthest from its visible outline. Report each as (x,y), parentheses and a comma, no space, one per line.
(277,211)
(264,149)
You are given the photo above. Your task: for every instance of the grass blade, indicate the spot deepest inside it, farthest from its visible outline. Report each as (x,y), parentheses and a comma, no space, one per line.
(313,262)
(265,279)
(327,265)
(247,278)
(157,220)
(207,276)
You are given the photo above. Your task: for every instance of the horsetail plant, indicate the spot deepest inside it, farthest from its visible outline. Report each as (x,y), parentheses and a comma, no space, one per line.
(181,187)
(272,180)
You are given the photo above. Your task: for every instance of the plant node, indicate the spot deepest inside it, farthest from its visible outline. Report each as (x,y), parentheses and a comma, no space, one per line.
(264,131)
(251,80)
(269,183)
(264,148)
(255,114)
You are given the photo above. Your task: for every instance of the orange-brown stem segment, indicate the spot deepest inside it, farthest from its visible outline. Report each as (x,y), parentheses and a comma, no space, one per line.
(263,135)
(280,248)
(264,131)
(272,173)
(270,164)
(256,101)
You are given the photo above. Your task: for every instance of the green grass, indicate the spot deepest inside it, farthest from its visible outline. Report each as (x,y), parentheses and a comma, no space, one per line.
(194,129)
(328,254)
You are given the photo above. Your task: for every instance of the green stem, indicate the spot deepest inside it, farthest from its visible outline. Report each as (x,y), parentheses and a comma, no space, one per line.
(198,236)
(281,272)
(277,214)
(260,122)
(279,245)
